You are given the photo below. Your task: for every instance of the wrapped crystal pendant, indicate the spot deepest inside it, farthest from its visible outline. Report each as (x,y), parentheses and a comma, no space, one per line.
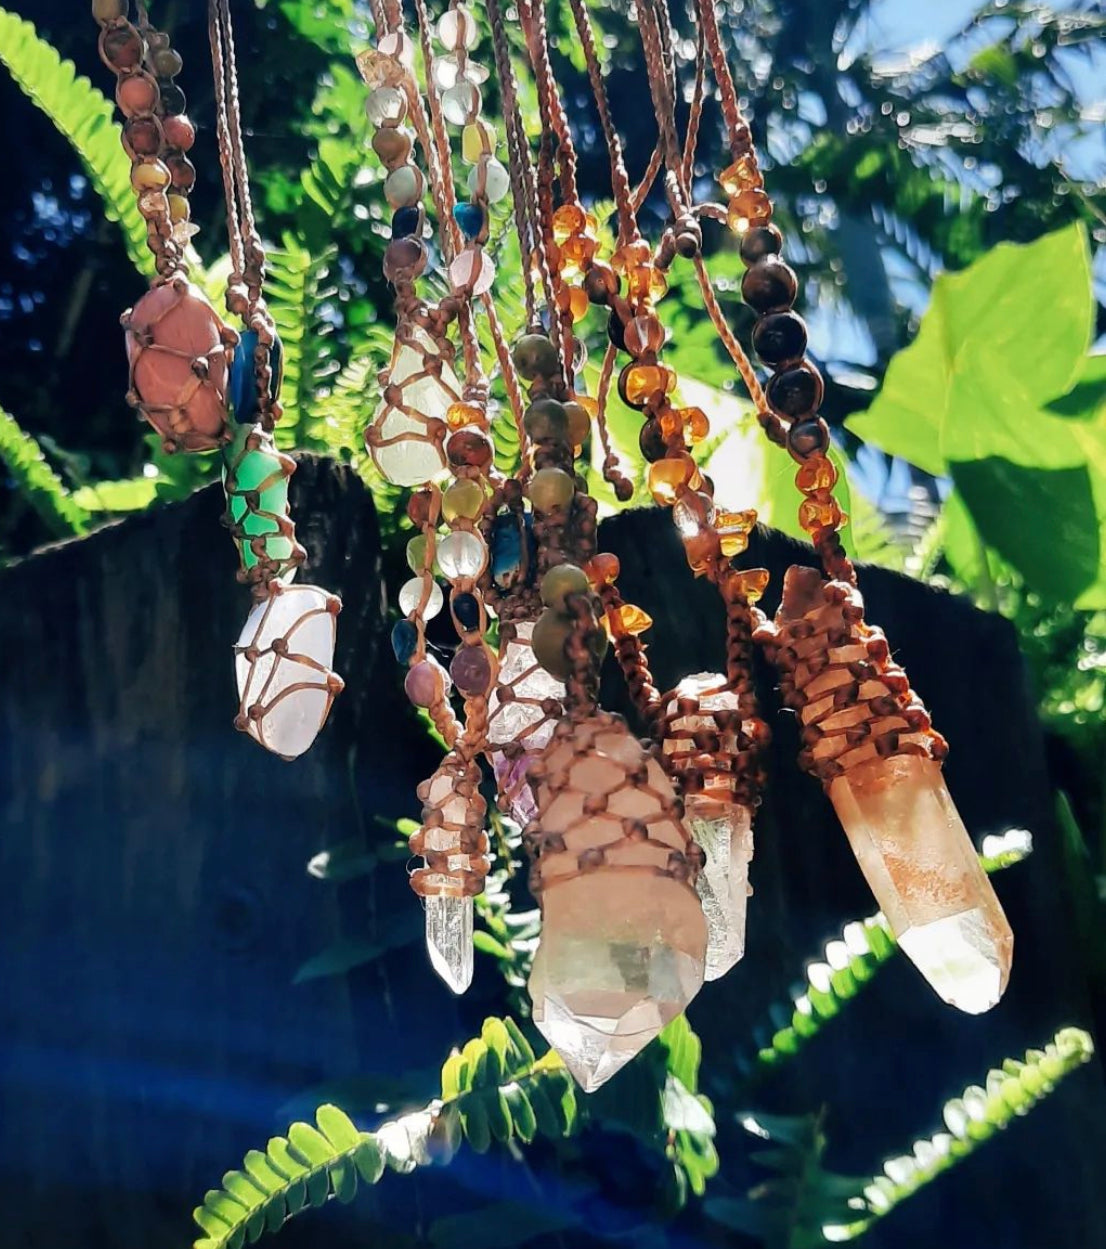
(407,433)
(703,738)
(179,353)
(454,845)
(523,709)
(283,667)
(623,939)
(867,736)
(255,480)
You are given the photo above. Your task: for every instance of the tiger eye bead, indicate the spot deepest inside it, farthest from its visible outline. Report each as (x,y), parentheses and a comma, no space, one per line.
(179,132)
(142,135)
(393,145)
(546,420)
(469,448)
(550,488)
(780,338)
(769,285)
(183,171)
(600,283)
(796,392)
(760,242)
(535,356)
(651,442)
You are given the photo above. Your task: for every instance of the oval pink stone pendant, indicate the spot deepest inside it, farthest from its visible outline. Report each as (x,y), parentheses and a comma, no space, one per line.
(472,271)
(178,351)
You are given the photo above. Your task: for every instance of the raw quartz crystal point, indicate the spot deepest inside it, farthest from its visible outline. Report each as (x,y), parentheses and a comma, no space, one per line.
(454,845)
(623,940)
(868,738)
(283,666)
(722,826)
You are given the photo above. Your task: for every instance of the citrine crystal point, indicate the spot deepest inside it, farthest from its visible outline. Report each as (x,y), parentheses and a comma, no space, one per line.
(449,939)
(620,957)
(725,834)
(921,865)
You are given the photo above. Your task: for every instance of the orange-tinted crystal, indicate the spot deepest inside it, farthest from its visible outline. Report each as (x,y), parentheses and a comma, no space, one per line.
(602,569)
(816,473)
(578,250)
(748,209)
(627,619)
(668,477)
(817,514)
(696,423)
(630,256)
(569,219)
(751,583)
(740,176)
(638,383)
(461,414)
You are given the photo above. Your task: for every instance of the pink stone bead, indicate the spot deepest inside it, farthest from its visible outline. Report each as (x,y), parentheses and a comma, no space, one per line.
(471,670)
(424,680)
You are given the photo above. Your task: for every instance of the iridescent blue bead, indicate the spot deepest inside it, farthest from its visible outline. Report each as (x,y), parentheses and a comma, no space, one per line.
(506,551)
(467,611)
(242,383)
(405,637)
(405,222)
(470,217)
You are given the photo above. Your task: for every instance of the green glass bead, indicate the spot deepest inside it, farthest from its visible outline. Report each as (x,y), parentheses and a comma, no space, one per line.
(558,583)
(550,488)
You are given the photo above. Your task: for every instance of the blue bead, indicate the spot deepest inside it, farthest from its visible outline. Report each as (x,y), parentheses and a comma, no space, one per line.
(242,384)
(405,637)
(470,217)
(506,551)
(467,611)
(405,223)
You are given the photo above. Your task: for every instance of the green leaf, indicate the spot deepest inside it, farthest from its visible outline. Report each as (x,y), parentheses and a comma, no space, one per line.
(40,485)
(84,116)
(131,494)
(352,952)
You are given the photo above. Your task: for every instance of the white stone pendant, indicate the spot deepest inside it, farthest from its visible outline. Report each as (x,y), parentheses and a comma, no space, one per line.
(282,664)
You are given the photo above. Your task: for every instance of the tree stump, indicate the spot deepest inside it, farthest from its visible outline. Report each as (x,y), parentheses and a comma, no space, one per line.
(157,906)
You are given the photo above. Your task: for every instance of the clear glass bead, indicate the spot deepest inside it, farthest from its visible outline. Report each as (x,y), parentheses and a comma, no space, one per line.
(410,595)
(461,554)
(403,187)
(497,181)
(386,106)
(400,46)
(458,29)
(449,71)
(461,103)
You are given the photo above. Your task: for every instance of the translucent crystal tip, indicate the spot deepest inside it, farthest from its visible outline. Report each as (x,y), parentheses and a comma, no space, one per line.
(962,956)
(449,939)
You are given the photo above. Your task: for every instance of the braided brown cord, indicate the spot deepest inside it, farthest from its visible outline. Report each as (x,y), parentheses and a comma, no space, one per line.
(663,104)
(554,118)
(612,470)
(737,129)
(698,95)
(854,702)
(629,651)
(728,338)
(641,191)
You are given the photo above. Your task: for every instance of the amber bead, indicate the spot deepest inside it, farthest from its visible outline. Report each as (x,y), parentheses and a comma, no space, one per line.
(638,383)
(179,132)
(568,220)
(780,338)
(631,256)
(558,583)
(651,442)
(696,423)
(644,334)
(670,421)
(578,250)
(458,415)
(601,282)
(136,93)
(646,282)
(550,488)
(796,392)
(603,569)
(760,242)
(739,176)
(108,10)
(749,583)
(150,175)
(393,145)
(535,356)
(769,285)
(749,209)
(668,477)
(573,300)
(469,448)
(815,514)
(816,473)
(733,530)
(464,499)
(579,423)
(123,47)
(808,438)
(546,420)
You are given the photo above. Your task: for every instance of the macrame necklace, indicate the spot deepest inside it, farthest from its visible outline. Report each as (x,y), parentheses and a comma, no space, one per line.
(203,386)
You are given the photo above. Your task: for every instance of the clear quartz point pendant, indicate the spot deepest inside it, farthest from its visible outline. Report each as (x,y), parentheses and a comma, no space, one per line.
(725,833)
(623,942)
(449,939)
(920,863)
(283,667)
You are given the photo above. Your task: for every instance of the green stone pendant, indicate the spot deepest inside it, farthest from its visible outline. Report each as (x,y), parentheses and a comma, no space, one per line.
(255,479)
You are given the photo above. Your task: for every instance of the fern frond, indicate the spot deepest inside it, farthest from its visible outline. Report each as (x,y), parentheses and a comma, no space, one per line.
(851,960)
(83,115)
(971,1119)
(39,484)
(298,289)
(494,1089)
